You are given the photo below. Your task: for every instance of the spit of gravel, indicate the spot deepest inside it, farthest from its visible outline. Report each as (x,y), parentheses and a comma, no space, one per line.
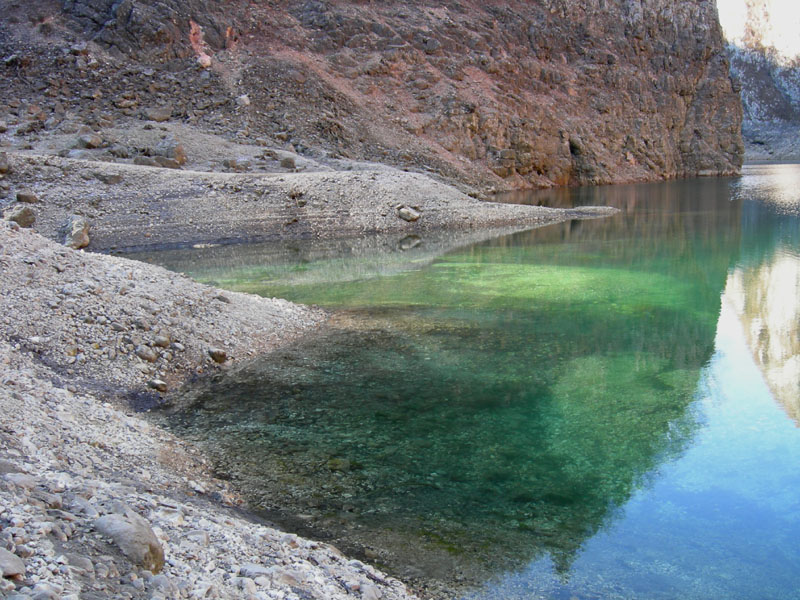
(75,327)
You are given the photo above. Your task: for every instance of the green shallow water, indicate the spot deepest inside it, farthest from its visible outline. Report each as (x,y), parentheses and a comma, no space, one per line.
(597,409)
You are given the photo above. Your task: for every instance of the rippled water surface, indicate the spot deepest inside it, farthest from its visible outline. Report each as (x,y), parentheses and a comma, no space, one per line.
(596,409)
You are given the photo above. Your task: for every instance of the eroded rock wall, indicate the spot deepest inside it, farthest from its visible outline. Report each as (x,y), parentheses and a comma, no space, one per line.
(505,93)
(764,47)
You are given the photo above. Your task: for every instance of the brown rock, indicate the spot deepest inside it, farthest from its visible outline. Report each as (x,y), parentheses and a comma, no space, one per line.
(22,215)
(218,355)
(158,114)
(167,163)
(89,140)
(27,196)
(77,235)
(145,161)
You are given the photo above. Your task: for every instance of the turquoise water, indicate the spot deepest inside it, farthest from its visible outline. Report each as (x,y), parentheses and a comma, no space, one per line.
(596,409)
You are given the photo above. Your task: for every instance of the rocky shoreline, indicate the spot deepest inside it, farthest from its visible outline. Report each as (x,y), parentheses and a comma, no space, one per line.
(96,501)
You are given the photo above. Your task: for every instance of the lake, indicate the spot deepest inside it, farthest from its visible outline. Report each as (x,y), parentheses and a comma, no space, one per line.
(594,409)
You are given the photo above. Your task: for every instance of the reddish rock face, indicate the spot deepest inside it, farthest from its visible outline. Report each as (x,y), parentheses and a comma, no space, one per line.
(504,93)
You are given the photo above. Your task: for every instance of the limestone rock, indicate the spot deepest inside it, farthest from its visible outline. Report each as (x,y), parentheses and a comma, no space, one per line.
(134,536)
(22,215)
(77,234)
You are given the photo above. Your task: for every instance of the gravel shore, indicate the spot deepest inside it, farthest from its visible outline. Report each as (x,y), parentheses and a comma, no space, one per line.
(95,502)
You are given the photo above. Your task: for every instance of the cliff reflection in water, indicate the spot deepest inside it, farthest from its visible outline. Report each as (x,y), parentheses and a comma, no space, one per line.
(500,403)
(765,287)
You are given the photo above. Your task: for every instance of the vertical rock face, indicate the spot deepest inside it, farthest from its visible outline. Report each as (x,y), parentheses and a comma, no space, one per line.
(764,47)
(506,93)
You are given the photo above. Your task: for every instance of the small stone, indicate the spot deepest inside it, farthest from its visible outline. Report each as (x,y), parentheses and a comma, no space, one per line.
(109,178)
(252,570)
(27,196)
(158,114)
(10,564)
(158,385)
(198,536)
(161,341)
(218,355)
(89,141)
(5,166)
(243,100)
(288,162)
(339,464)
(82,562)
(145,161)
(146,353)
(77,235)
(408,214)
(370,592)
(167,163)
(3,126)
(172,149)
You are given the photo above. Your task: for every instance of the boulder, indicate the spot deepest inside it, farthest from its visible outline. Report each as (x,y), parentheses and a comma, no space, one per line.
(21,215)
(133,535)
(77,234)
(11,565)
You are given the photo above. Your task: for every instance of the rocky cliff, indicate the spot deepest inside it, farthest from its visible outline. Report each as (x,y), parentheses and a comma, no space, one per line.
(502,93)
(764,48)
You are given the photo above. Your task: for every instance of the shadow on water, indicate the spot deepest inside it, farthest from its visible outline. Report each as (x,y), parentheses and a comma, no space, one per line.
(498,403)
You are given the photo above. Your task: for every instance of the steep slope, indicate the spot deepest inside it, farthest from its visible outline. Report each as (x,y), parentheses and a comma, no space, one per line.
(764,48)
(502,93)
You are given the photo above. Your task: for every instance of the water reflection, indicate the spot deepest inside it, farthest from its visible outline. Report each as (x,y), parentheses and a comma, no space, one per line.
(499,403)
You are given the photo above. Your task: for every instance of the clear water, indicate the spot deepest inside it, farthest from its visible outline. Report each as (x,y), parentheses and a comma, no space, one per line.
(598,409)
